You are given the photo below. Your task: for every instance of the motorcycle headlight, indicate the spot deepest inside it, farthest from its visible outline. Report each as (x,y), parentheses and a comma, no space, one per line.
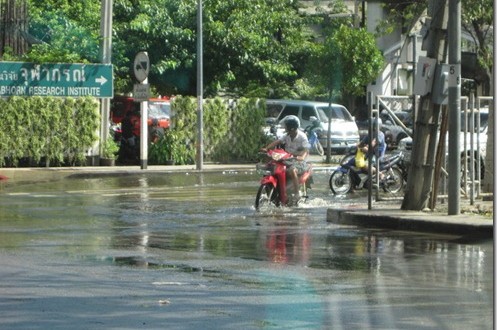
(276,156)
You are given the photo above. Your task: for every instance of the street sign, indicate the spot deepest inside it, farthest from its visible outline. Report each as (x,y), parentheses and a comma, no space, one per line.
(141,92)
(56,79)
(141,66)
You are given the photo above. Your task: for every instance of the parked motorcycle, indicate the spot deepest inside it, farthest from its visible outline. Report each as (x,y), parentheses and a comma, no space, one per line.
(274,184)
(347,177)
(312,136)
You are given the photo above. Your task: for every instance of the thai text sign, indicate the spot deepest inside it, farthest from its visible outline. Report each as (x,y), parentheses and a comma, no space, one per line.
(56,79)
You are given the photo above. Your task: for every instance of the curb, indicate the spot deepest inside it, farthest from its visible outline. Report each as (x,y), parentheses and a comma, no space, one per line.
(395,219)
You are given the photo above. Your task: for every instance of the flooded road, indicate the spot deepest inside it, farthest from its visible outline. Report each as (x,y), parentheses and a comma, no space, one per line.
(188,251)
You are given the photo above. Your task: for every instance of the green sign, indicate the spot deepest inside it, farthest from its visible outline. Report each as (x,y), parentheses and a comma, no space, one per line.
(56,79)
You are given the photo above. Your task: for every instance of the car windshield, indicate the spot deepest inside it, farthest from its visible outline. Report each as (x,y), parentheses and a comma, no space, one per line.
(483,121)
(159,109)
(336,113)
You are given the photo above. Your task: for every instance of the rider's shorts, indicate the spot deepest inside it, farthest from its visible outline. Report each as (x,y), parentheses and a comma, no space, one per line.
(300,165)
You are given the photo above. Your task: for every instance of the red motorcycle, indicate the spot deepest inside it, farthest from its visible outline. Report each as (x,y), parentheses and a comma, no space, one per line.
(274,183)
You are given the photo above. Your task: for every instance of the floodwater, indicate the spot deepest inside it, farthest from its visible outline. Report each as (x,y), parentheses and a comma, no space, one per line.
(188,251)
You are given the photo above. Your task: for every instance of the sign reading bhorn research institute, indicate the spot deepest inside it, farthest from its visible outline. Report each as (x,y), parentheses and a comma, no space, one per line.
(56,79)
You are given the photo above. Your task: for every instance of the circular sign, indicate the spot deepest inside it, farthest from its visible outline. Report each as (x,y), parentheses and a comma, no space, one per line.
(141,67)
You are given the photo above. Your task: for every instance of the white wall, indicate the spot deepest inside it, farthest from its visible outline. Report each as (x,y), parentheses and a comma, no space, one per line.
(397,50)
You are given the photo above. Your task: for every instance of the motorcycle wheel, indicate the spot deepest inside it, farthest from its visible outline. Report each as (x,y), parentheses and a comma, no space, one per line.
(266,195)
(319,148)
(340,183)
(395,180)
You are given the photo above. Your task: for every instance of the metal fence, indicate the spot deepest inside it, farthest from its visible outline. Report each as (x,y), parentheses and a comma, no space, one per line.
(473,142)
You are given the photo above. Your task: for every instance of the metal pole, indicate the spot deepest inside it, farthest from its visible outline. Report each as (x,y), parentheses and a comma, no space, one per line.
(414,72)
(370,134)
(105,58)
(144,132)
(454,166)
(200,120)
(471,130)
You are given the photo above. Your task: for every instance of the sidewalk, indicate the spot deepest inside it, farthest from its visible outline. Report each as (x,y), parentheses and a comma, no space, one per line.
(34,174)
(474,219)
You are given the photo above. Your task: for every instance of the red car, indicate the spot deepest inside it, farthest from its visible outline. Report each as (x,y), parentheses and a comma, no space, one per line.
(158,108)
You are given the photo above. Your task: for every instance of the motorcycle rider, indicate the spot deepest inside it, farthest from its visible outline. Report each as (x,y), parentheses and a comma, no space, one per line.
(297,144)
(156,133)
(379,147)
(129,149)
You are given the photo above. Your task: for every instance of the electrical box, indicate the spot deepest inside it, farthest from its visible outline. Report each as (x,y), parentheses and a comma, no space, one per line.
(425,71)
(441,85)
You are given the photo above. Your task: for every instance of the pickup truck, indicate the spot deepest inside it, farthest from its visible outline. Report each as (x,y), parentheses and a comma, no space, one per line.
(479,141)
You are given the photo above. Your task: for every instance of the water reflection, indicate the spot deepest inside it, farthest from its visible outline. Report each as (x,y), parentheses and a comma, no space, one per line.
(285,246)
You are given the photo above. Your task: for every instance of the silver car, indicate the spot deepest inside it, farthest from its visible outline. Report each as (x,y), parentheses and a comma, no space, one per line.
(344,131)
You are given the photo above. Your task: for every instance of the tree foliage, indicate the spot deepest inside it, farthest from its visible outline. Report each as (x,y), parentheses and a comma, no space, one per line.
(66,30)
(247,43)
(254,43)
(348,61)
(361,60)
(477,19)
(251,47)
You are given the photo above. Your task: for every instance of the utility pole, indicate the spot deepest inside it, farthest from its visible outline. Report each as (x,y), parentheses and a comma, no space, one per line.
(454,165)
(420,179)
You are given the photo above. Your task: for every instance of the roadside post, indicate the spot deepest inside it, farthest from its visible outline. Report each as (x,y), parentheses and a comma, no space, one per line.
(141,93)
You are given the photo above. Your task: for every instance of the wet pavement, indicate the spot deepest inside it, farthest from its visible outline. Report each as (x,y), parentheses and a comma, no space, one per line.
(187,250)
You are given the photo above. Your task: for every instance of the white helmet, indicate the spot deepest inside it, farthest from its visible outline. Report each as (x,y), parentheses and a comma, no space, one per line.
(291,121)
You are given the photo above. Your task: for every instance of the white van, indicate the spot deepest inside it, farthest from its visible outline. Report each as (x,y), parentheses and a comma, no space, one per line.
(344,131)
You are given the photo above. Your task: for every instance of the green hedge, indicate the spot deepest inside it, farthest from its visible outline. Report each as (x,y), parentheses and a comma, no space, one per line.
(57,131)
(232,131)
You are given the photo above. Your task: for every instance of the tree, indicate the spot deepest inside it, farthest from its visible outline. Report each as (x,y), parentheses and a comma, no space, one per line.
(257,47)
(347,61)
(66,31)
(249,45)
(14,21)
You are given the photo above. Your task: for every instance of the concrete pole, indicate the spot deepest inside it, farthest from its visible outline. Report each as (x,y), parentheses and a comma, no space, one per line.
(420,179)
(454,166)
(200,89)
